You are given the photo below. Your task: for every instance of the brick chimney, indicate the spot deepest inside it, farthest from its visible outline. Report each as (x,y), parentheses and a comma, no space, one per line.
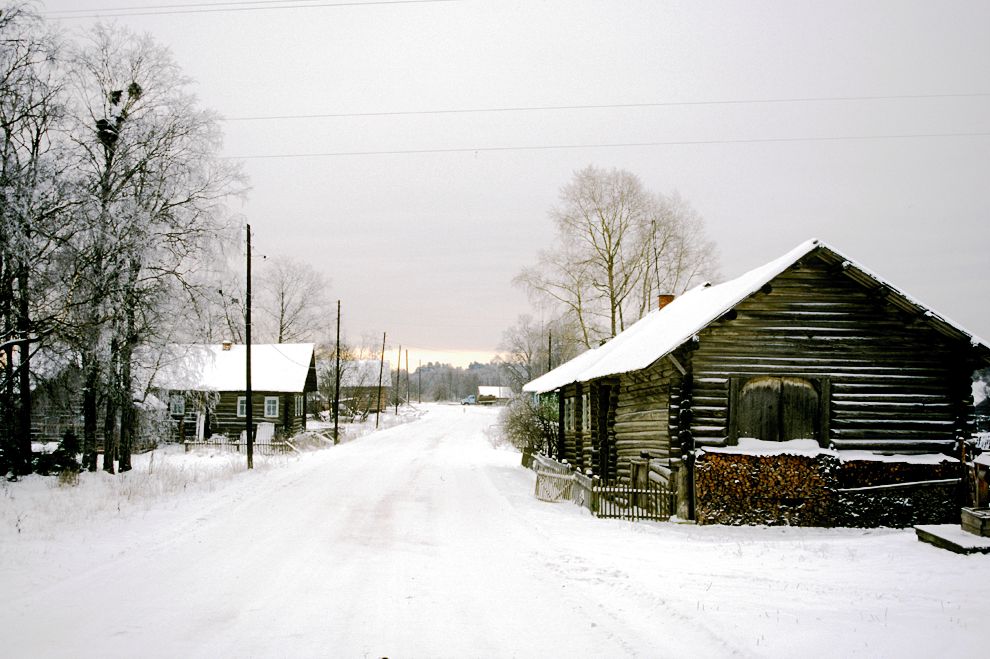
(664,299)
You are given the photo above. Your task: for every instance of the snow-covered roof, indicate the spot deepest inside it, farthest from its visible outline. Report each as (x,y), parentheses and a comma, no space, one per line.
(662,331)
(497,392)
(281,367)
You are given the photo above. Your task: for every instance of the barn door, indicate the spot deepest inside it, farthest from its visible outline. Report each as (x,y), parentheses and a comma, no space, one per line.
(777,409)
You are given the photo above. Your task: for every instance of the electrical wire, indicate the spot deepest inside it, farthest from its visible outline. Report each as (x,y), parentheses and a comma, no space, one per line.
(612,145)
(217,7)
(607,106)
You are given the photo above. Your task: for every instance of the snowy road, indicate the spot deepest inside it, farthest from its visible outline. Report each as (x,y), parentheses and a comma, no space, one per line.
(423,540)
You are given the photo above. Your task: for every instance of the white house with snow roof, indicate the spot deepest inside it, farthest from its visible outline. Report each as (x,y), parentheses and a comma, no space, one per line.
(807,391)
(206,387)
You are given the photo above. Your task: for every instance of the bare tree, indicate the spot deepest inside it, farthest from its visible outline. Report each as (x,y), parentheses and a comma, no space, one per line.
(677,252)
(295,300)
(531,347)
(598,218)
(617,246)
(563,277)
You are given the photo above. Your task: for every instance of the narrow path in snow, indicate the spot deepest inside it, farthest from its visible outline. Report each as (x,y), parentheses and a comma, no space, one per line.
(408,542)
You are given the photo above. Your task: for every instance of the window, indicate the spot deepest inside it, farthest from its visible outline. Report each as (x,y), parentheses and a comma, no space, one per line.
(271,406)
(300,405)
(586,412)
(241,406)
(569,413)
(177,405)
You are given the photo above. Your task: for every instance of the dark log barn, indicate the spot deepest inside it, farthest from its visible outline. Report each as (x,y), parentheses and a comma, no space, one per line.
(808,391)
(205,388)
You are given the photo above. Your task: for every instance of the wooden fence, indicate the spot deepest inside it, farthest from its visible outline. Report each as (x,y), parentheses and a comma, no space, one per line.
(647,499)
(272,447)
(621,500)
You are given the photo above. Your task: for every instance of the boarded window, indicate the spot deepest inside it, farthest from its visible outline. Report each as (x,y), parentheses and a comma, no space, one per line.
(778,409)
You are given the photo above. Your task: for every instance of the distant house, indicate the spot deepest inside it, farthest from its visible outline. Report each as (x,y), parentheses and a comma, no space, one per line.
(205,386)
(808,391)
(359,381)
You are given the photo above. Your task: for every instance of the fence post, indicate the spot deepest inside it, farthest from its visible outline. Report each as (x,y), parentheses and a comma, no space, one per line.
(593,503)
(639,478)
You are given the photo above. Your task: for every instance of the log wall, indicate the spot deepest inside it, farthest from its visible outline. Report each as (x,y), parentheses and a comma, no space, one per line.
(889,381)
(643,414)
(224,419)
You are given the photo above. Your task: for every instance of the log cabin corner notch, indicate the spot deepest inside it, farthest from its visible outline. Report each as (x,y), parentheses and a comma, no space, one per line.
(810,355)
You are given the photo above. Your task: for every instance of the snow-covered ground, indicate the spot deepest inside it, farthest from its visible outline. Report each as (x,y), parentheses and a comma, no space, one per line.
(425,540)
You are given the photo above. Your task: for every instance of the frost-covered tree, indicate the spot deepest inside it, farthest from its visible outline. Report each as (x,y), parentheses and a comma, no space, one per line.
(152,190)
(617,246)
(32,217)
(531,347)
(293,302)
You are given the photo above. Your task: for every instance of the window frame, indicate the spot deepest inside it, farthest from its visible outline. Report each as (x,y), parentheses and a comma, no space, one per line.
(241,407)
(272,400)
(586,411)
(177,405)
(300,405)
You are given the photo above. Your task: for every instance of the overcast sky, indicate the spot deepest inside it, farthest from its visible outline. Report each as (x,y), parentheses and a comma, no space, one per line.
(866,124)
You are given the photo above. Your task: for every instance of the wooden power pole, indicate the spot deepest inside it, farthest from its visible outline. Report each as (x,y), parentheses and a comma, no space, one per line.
(381,369)
(249,411)
(398,379)
(336,382)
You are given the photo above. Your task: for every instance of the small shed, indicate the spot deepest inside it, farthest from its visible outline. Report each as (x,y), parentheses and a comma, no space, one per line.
(205,386)
(807,391)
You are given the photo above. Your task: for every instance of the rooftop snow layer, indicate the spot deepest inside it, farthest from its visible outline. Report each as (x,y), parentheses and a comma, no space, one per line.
(281,367)
(660,332)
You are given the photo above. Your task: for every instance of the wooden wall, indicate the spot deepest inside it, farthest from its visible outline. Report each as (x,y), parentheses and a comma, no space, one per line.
(643,414)
(891,381)
(224,419)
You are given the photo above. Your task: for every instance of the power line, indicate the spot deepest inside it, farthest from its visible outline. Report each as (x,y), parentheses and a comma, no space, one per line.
(216,7)
(613,145)
(607,106)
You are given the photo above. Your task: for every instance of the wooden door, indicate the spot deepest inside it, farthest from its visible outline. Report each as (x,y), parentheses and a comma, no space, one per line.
(777,409)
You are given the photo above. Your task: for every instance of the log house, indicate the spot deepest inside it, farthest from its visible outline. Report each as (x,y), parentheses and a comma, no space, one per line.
(808,348)
(205,388)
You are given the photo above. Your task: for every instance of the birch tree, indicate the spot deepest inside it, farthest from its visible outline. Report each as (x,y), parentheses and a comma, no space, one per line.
(153,193)
(294,300)
(617,246)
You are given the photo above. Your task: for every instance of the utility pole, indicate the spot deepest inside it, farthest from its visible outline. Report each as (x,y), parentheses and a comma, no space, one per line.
(249,412)
(336,382)
(381,369)
(549,351)
(398,379)
(408,396)
(419,373)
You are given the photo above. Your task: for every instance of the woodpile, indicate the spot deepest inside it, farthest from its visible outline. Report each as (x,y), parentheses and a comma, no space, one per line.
(823,490)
